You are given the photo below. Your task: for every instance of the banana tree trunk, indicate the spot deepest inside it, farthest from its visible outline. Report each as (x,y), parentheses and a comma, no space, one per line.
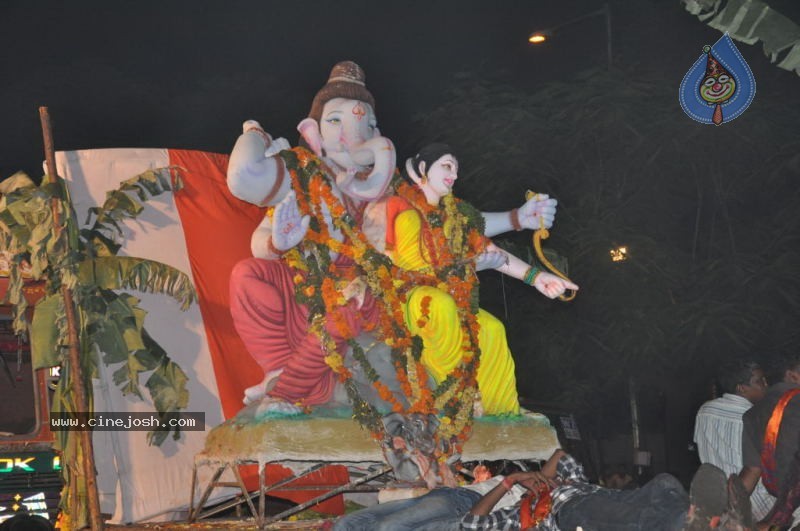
(76,372)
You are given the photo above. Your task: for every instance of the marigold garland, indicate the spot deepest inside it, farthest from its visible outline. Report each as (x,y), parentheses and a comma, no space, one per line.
(452,236)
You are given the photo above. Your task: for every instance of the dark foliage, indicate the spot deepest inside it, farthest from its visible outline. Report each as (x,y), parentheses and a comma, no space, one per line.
(708,215)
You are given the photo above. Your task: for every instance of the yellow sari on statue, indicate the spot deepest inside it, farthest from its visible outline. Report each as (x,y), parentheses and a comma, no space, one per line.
(442,333)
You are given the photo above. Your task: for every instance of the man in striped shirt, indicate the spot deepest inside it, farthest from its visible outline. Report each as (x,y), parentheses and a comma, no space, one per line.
(718,426)
(557,497)
(562,499)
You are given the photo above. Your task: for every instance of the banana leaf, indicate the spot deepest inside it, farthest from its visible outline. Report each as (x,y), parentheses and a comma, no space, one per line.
(750,21)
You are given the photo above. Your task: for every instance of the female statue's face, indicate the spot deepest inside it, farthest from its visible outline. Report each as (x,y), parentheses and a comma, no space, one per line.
(442,175)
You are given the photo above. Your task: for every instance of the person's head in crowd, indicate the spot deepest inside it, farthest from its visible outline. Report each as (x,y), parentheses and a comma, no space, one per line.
(27,522)
(791,368)
(744,378)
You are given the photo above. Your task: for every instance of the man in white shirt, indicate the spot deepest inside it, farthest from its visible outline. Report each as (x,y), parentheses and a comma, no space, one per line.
(718,426)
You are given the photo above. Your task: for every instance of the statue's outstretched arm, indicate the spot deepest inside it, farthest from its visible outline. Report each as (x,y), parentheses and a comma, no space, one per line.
(538,212)
(255,173)
(547,284)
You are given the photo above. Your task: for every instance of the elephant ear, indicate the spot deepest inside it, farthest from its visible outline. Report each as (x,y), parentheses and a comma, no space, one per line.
(309,130)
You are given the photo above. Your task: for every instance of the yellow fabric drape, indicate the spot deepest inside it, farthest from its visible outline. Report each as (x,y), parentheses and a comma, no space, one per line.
(442,334)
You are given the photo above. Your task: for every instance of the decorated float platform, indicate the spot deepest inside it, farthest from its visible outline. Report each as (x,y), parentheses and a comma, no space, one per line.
(306,443)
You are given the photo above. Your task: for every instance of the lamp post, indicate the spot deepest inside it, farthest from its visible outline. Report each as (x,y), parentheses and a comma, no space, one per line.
(541,36)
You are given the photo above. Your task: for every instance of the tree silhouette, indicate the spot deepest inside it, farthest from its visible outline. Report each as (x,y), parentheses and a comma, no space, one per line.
(707,215)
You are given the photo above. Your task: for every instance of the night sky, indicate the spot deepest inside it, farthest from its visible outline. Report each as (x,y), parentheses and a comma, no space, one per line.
(186,74)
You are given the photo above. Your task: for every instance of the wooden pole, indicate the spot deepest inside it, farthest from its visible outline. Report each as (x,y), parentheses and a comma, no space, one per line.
(76,369)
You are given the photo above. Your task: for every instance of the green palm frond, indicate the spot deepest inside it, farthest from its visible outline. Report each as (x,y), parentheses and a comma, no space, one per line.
(120,205)
(750,21)
(112,324)
(148,276)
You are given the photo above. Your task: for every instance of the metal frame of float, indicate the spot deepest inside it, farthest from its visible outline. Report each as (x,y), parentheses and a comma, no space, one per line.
(368,482)
(528,437)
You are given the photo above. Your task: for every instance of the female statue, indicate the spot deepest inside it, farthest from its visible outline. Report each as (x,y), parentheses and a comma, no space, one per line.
(431,231)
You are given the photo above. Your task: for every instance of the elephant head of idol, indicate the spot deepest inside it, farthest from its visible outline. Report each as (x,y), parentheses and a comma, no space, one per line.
(342,128)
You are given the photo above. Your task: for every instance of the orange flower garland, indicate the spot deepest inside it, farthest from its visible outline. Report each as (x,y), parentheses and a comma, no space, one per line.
(531,516)
(451,249)
(425,307)
(451,240)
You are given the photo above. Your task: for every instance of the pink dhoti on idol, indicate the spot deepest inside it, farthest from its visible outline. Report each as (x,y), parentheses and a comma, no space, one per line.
(275,329)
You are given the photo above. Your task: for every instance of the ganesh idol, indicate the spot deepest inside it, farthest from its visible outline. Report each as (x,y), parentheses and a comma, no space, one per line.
(330,193)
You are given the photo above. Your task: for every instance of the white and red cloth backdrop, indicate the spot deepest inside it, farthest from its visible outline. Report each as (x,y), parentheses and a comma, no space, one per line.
(201,230)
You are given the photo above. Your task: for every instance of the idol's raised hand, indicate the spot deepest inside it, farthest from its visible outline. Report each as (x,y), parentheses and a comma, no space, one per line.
(538,212)
(288,225)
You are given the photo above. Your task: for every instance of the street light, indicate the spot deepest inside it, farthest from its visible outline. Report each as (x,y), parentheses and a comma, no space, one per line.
(541,36)
(619,254)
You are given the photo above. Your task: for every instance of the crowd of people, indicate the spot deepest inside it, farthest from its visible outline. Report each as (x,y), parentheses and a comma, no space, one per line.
(747,440)
(753,431)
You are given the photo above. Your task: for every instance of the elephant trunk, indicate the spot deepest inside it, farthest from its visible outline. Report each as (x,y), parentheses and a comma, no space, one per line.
(380,154)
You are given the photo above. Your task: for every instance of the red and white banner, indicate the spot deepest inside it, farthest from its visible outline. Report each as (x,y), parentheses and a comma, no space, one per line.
(202,230)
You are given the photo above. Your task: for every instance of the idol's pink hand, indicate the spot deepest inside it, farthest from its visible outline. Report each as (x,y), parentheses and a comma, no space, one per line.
(288,226)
